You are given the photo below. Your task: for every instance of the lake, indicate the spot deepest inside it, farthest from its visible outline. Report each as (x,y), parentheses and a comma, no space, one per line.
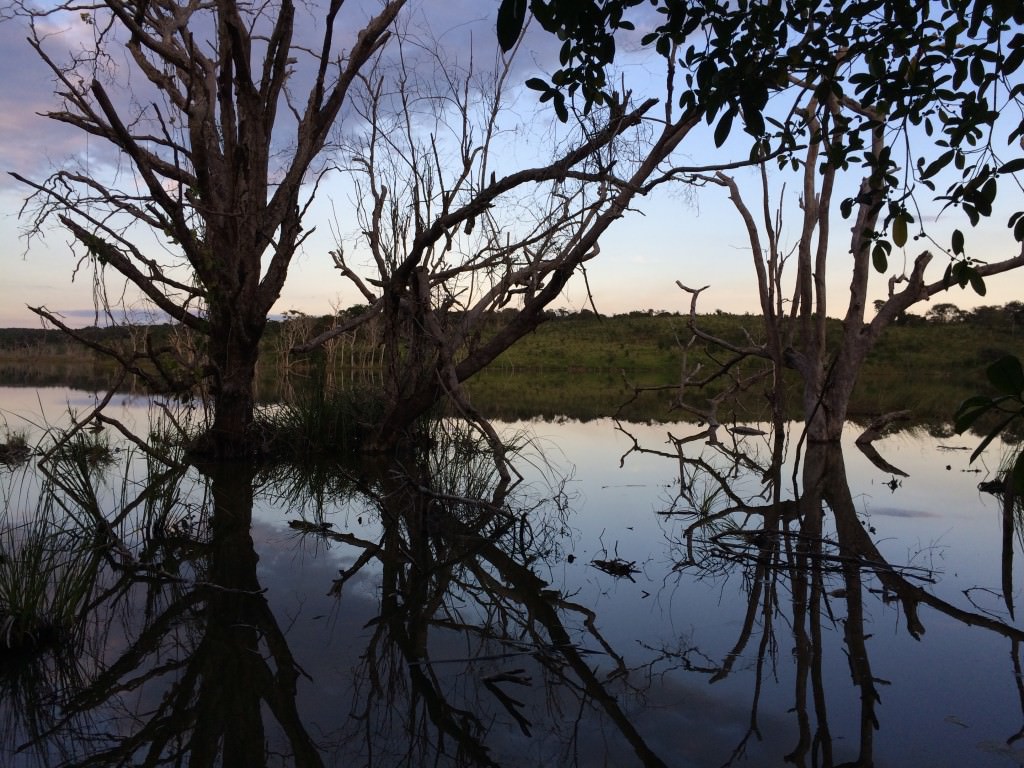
(687,604)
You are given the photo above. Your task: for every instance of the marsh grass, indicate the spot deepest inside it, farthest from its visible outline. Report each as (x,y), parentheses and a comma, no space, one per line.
(316,423)
(48,571)
(460,463)
(83,535)
(1001,484)
(86,448)
(456,458)
(14,449)
(311,489)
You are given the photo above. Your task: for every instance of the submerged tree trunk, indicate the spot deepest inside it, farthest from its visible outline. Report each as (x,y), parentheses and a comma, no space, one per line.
(826,396)
(233,354)
(828,384)
(208,173)
(243,670)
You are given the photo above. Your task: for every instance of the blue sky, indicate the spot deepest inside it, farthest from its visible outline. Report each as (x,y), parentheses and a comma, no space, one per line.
(675,234)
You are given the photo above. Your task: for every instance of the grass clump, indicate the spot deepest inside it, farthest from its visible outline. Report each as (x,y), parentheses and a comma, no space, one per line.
(14,450)
(47,575)
(317,423)
(89,448)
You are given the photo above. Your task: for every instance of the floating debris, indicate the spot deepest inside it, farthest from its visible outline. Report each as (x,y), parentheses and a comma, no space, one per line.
(741,430)
(619,568)
(992,486)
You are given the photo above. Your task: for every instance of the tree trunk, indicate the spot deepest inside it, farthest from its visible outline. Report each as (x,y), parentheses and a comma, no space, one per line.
(828,387)
(412,381)
(233,354)
(825,411)
(400,416)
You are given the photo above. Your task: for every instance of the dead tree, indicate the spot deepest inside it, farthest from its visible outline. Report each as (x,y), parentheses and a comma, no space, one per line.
(216,120)
(794,319)
(452,236)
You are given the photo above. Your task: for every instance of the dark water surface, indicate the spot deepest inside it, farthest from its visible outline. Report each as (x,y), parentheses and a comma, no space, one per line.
(653,612)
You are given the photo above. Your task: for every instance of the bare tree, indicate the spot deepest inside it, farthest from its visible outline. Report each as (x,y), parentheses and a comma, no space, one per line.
(794,320)
(452,236)
(217,116)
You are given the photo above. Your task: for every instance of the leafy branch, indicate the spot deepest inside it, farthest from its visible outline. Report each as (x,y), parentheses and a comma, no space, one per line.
(1007,376)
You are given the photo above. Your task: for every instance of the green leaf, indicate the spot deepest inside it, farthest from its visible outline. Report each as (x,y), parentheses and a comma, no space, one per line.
(959,273)
(878,259)
(536,84)
(1013,61)
(992,435)
(1007,375)
(899,231)
(511,15)
(723,127)
(958,242)
(938,164)
(1013,166)
(977,69)
(754,122)
(988,193)
(970,411)
(560,109)
(977,282)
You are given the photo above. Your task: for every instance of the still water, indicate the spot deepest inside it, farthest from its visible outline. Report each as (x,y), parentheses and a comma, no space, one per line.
(667,606)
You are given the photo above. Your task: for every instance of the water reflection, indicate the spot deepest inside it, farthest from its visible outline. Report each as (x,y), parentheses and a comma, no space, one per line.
(809,566)
(471,645)
(461,615)
(191,665)
(183,657)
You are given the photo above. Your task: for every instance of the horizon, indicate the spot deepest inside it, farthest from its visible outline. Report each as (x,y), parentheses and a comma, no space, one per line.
(678,233)
(558,312)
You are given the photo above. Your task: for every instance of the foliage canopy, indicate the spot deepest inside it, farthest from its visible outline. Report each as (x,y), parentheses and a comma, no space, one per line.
(945,68)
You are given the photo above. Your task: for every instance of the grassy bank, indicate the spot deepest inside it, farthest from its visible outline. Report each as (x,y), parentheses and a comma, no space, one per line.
(578,366)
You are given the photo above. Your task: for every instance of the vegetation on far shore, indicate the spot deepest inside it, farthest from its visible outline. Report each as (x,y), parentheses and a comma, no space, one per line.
(583,365)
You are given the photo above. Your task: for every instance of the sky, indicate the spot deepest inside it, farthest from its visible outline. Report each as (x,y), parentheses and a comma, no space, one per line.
(676,234)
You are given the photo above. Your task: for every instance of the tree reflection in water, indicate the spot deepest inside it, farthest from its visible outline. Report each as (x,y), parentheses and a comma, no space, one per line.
(185,657)
(476,655)
(791,551)
(189,664)
(459,553)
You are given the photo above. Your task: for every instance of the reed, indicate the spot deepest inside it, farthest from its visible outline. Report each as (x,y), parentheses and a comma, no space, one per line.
(14,448)
(317,423)
(47,574)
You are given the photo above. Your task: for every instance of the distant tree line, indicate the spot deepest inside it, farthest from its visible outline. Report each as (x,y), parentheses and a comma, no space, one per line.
(1007,317)
(39,339)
